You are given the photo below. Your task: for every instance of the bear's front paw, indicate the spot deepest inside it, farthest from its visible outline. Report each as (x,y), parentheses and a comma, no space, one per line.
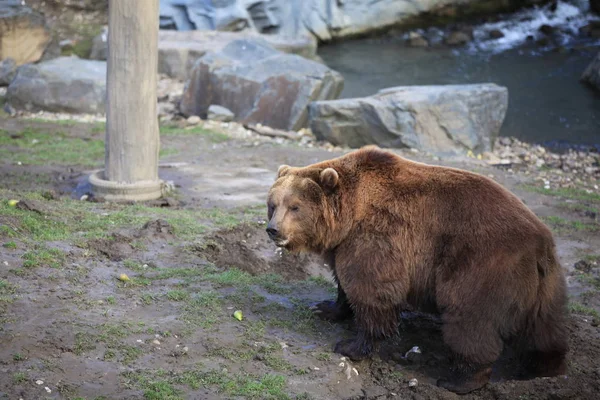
(353,349)
(466,381)
(331,311)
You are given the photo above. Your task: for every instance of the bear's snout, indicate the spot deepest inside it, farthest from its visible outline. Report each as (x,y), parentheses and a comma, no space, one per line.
(272,232)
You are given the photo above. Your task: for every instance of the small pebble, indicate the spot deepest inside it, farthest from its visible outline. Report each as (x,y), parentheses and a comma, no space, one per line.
(413,382)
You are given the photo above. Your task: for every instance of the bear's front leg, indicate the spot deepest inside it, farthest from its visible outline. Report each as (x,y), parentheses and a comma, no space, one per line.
(373,324)
(338,310)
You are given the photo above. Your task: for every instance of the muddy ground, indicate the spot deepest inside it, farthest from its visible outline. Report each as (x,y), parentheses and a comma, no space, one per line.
(71,329)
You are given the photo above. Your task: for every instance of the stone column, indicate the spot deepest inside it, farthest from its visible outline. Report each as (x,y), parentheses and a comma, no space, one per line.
(132,136)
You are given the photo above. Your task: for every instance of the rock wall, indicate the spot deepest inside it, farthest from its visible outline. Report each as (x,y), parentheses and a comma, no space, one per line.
(324,19)
(24,35)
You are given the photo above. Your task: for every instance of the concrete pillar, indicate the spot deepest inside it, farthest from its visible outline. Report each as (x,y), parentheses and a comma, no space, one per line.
(132,136)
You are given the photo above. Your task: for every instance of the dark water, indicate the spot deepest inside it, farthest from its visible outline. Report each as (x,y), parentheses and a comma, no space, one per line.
(547,103)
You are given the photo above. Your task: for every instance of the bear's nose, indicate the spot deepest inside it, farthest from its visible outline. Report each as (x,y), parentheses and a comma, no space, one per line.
(272,232)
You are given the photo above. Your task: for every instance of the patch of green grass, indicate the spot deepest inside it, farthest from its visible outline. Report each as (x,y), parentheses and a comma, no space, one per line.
(43,148)
(274,284)
(323,356)
(129,353)
(231,277)
(161,385)
(111,300)
(99,127)
(162,390)
(170,273)
(18,357)
(255,330)
(178,295)
(204,310)
(568,193)
(561,224)
(10,245)
(265,387)
(131,264)
(83,343)
(148,298)
(590,280)
(19,377)
(578,308)
(44,257)
(211,136)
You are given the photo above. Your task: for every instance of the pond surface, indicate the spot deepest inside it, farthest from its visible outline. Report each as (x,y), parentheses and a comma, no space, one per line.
(547,102)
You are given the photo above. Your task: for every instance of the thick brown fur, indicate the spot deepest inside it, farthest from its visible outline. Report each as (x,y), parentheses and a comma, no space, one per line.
(398,233)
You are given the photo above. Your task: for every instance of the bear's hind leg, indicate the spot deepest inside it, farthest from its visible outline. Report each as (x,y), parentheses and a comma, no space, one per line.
(373,325)
(548,346)
(476,346)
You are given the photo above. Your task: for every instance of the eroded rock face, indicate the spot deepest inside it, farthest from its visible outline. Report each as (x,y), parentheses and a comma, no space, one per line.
(259,84)
(447,119)
(65,84)
(24,35)
(591,75)
(323,19)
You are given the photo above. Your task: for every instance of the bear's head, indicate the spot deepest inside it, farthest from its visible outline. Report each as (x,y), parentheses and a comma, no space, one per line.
(300,210)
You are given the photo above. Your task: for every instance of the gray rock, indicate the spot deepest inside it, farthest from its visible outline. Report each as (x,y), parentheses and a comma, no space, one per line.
(591,75)
(496,34)
(592,29)
(24,35)
(99,49)
(595,6)
(458,38)
(219,113)
(450,119)
(179,51)
(259,84)
(65,84)
(8,70)
(415,39)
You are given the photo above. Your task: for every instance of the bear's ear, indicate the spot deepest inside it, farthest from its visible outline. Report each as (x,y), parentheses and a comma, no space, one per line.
(329,178)
(283,170)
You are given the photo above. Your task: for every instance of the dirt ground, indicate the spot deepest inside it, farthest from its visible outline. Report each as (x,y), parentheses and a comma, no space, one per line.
(72,328)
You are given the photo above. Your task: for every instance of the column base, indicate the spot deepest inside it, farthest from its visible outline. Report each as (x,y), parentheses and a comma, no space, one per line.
(117,191)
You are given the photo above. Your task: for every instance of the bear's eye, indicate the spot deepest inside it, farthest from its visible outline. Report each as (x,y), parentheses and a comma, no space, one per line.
(294,208)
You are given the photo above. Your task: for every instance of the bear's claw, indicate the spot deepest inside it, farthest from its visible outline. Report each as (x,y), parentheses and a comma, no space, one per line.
(331,311)
(352,349)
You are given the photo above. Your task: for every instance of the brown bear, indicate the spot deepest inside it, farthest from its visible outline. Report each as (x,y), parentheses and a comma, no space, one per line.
(399,233)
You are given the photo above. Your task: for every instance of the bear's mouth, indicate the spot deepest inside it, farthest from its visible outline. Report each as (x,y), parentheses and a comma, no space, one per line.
(282,242)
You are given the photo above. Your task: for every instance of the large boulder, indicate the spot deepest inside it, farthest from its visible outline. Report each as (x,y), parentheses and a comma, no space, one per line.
(259,84)
(24,35)
(65,84)
(591,75)
(178,51)
(447,119)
